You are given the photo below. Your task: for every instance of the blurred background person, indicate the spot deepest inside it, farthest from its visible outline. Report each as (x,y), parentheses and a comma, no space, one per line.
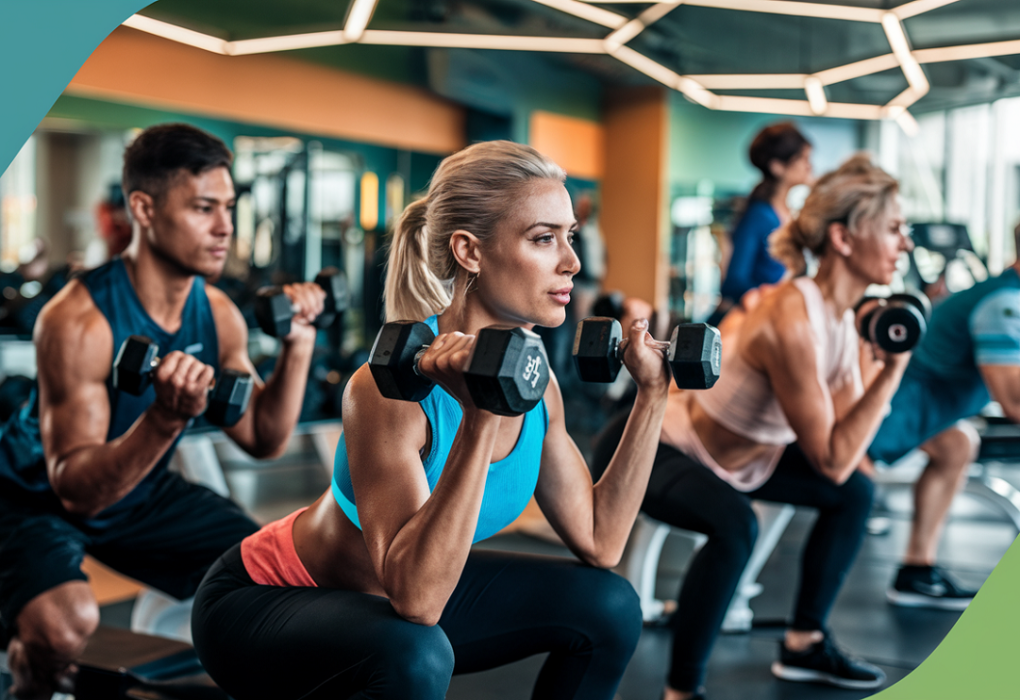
(783,155)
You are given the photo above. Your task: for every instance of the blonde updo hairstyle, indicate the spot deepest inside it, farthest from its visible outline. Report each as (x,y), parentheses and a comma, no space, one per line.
(473,190)
(856,194)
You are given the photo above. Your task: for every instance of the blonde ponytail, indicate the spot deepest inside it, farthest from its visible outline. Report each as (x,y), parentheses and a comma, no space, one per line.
(412,291)
(786,244)
(855,194)
(473,190)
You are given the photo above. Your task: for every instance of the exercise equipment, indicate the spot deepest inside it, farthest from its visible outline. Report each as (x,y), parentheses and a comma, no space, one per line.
(507,375)
(274,310)
(694,352)
(897,323)
(137,358)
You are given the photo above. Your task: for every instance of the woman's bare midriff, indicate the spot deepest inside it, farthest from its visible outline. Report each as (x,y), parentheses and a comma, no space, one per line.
(324,535)
(730,450)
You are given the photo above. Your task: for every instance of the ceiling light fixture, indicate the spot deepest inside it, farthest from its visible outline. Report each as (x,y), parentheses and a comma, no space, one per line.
(752,81)
(917,7)
(909,125)
(482,41)
(286,43)
(901,50)
(696,87)
(796,108)
(815,92)
(637,25)
(901,116)
(961,53)
(178,34)
(686,85)
(358,19)
(857,69)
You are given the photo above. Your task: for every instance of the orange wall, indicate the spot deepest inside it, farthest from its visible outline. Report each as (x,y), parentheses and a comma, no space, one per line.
(634,212)
(578,145)
(272,90)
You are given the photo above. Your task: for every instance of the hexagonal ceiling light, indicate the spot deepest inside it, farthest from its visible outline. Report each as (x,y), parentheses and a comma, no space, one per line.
(697,88)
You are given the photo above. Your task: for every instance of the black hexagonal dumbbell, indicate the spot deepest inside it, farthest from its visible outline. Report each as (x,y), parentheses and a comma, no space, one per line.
(273,310)
(228,395)
(694,352)
(897,323)
(508,373)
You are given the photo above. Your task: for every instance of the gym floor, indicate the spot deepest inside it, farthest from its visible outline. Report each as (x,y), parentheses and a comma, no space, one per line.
(897,639)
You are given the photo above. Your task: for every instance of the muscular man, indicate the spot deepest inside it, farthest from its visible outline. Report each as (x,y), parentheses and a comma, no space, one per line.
(970,354)
(83,466)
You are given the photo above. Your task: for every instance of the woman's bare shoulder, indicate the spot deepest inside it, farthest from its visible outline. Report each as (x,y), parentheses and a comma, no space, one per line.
(370,415)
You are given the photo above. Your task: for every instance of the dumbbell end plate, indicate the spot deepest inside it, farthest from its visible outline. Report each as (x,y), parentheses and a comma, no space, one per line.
(695,355)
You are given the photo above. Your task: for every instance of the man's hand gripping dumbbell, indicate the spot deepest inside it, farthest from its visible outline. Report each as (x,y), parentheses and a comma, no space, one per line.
(275,307)
(694,352)
(183,385)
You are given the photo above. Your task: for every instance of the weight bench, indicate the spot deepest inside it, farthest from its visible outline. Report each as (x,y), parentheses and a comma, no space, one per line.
(121,664)
(644,548)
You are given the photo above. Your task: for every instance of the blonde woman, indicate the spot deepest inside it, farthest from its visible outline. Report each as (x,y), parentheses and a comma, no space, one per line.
(312,606)
(788,421)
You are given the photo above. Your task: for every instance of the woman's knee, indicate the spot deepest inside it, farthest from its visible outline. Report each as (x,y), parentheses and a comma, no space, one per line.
(735,535)
(415,662)
(858,493)
(613,611)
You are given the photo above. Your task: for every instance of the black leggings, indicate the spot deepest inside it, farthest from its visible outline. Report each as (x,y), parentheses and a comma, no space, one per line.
(282,642)
(685,493)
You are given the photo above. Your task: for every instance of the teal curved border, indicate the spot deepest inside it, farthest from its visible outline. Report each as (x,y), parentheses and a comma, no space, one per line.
(43,43)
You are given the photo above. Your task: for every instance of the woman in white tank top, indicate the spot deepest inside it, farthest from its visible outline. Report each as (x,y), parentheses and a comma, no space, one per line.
(788,421)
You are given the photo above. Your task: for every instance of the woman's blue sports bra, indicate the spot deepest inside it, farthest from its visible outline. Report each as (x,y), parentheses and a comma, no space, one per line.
(510,483)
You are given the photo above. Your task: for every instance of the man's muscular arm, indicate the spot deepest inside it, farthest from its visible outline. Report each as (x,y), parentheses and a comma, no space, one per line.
(275,406)
(74,351)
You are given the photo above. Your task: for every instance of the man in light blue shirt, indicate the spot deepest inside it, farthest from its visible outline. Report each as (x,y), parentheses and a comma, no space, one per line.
(969,356)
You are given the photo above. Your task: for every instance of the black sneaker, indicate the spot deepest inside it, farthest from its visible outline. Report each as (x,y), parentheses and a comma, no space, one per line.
(824,662)
(927,587)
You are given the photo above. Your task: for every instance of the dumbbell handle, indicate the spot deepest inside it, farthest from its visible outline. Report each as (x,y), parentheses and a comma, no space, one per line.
(656,344)
(417,358)
(155,363)
(294,309)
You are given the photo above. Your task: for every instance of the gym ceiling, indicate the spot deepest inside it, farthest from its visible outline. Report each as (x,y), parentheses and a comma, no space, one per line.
(865,59)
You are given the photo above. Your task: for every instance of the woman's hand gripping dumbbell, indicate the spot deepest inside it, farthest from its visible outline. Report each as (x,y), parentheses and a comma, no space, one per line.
(895,324)
(507,373)
(276,307)
(694,352)
(183,384)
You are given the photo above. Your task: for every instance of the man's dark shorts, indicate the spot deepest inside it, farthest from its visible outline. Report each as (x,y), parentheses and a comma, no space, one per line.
(167,542)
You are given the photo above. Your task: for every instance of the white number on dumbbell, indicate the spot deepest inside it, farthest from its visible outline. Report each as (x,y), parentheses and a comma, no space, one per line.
(532,370)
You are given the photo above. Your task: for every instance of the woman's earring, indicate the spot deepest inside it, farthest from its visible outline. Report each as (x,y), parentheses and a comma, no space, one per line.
(472,282)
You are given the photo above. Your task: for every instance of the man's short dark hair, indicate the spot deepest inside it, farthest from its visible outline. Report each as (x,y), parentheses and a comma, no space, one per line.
(160,152)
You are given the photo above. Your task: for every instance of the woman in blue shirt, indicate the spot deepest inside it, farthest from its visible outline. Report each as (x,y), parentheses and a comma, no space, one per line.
(374,590)
(783,155)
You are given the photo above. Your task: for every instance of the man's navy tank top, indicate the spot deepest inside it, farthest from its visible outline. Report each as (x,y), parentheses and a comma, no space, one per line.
(510,483)
(22,464)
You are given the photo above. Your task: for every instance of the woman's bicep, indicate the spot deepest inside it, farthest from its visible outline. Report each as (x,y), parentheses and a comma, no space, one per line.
(383,438)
